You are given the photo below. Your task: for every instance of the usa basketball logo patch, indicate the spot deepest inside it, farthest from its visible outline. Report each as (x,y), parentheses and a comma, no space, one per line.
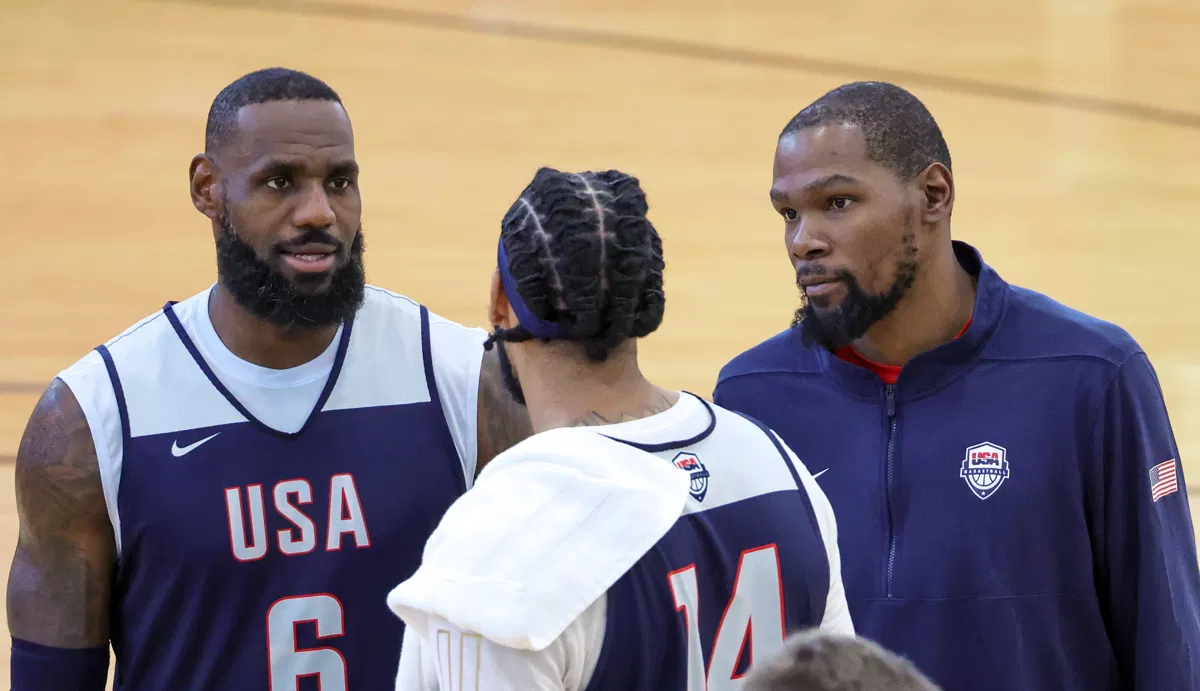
(691,463)
(985,468)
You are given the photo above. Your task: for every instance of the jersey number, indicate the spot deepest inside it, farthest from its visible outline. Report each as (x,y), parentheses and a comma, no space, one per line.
(286,663)
(752,623)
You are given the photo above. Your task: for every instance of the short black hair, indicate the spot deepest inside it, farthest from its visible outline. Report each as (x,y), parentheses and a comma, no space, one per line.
(584,256)
(815,660)
(900,132)
(263,86)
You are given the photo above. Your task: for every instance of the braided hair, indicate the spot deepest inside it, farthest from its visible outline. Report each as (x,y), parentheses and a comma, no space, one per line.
(584,260)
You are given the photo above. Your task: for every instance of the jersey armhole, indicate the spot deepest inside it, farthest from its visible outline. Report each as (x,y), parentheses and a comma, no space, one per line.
(809,504)
(102,401)
(452,374)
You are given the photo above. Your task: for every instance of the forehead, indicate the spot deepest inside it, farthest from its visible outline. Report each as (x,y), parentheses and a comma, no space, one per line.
(313,131)
(818,152)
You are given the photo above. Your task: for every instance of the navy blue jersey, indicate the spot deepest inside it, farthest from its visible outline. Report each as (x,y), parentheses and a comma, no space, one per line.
(1004,509)
(258,559)
(750,557)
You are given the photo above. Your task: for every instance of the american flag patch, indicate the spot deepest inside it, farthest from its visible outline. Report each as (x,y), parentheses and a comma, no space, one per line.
(1163,480)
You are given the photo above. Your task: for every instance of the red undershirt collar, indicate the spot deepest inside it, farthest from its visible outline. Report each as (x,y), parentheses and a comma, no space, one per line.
(888,373)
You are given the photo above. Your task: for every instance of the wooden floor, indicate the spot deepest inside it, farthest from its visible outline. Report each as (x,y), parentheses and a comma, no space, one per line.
(1074,126)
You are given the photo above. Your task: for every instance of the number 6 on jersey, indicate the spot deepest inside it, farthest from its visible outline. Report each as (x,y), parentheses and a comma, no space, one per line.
(287,663)
(752,623)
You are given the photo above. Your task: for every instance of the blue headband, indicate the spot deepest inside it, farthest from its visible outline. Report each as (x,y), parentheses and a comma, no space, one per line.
(540,328)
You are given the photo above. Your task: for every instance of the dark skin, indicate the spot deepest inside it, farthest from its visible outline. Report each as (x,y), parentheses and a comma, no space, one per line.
(289,167)
(58,586)
(842,210)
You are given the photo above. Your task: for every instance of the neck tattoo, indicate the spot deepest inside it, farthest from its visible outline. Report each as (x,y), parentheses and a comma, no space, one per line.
(660,402)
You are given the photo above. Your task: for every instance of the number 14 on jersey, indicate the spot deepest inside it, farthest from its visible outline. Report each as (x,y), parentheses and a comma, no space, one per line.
(752,623)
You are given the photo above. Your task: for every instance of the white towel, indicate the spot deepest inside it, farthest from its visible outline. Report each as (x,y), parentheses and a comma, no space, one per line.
(547,528)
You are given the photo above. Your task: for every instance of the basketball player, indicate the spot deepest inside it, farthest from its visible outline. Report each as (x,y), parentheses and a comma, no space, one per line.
(227,490)
(645,540)
(820,661)
(1007,483)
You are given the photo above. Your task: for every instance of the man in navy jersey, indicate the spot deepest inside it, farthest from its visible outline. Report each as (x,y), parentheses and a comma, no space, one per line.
(643,540)
(226,491)
(1008,489)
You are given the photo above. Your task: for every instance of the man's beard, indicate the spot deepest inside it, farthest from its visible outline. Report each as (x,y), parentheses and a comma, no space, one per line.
(509,374)
(850,319)
(294,305)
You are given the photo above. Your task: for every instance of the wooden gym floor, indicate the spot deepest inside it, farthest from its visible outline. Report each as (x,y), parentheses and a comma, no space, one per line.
(1074,126)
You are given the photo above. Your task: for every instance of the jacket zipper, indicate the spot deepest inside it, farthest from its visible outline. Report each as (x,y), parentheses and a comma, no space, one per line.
(891,450)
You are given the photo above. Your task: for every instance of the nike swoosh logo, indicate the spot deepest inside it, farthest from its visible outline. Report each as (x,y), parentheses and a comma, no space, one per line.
(820,473)
(177,450)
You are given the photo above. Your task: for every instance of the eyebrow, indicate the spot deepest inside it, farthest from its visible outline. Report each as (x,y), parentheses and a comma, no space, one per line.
(277,166)
(827,181)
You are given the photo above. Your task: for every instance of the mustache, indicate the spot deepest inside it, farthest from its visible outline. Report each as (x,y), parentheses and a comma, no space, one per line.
(814,271)
(313,236)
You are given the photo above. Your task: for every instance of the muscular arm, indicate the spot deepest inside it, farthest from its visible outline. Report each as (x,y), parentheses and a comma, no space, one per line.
(59,584)
(502,421)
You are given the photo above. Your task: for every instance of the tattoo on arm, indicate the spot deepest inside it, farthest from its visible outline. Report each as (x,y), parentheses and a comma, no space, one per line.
(60,581)
(502,421)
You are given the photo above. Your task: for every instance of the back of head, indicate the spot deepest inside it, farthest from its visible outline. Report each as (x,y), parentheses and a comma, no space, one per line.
(815,661)
(261,86)
(900,132)
(584,259)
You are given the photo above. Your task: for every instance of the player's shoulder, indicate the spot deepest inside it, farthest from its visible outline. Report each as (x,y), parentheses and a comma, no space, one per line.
(781,353)
(732,424)
(1036,326)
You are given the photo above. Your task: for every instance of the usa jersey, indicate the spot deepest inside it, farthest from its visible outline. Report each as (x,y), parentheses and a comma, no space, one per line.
(261,516)
(750,556)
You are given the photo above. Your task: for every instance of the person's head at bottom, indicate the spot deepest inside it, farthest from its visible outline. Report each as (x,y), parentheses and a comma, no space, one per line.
(579,279)
(817,661)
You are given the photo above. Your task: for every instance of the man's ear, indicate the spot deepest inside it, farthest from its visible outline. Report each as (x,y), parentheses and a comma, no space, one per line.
(499,310)
(937,186)
(205,189)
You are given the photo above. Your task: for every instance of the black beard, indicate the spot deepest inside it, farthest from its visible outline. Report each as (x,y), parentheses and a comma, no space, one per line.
(508,374)
(859,310)
(300,305)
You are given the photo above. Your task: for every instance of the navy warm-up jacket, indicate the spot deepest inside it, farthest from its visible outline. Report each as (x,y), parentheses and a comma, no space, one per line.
(996,507)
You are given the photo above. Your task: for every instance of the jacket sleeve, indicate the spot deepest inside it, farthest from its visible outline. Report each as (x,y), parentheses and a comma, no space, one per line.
(1147,575)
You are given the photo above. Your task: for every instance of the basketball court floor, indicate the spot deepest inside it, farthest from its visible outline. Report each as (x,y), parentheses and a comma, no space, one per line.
(1074,126)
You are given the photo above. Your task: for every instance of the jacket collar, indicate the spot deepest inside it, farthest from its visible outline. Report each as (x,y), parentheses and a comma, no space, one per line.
(934,368)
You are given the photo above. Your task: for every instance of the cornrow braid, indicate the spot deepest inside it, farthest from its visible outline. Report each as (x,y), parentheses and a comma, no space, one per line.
(585,260)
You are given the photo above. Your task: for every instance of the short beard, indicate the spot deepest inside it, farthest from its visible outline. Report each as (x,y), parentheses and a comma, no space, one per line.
(859,310)
(508,374)
(269,295)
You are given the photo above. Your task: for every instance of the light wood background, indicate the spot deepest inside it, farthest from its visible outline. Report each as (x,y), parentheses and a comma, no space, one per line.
(1074,126)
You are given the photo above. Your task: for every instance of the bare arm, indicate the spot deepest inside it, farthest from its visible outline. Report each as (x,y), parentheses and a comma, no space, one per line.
(60,581)
(502,421)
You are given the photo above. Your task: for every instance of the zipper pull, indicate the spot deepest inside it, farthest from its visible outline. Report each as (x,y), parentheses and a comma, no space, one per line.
(890,390)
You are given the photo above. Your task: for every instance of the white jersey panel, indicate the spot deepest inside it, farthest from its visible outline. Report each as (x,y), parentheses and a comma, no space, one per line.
(740,460)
